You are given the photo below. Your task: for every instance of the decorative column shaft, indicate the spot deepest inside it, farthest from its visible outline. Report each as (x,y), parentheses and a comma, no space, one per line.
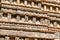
(44,7)
(34,19)
(51,9)
(25,2)
(32,3)
(26,18)
(57,9)
(39,5)
(9,16)
(18,17)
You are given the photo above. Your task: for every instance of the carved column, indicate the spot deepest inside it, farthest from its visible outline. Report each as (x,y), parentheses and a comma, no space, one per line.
(51,9)
(6,38)
(18,17)
(46,21)
(39,5)
(57,9)
(26,18)
(18,1)
(32,3)
(17,38)
(9,16)
(41,21)
(34,19)
(55,24)
(44,7)
(25,2)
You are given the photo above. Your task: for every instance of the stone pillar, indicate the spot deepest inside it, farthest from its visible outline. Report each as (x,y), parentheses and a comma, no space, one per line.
(39,5)
(57,9)
(25,2)
(17,38)
(18,1)
(18,17)
(6,38)
(26,18)
(55,24)
(9,16)
(32,3)
(46,21)
(34,19)
(41,21)
(51,9)
(44,7)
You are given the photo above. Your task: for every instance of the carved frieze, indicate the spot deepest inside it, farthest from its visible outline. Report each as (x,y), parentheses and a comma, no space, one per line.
(26,34)
(25,27)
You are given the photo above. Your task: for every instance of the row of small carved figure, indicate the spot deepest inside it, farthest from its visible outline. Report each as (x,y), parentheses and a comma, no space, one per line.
(23,2)
(36,4)
(27,19)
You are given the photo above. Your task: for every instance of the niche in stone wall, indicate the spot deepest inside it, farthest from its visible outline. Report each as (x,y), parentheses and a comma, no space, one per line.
(37,20)
(13,17)
(48,8)
(29,3)
(14,1)
(5,14)
(21,2)
(22,18)
(36,4)
(30,19)
(54,8)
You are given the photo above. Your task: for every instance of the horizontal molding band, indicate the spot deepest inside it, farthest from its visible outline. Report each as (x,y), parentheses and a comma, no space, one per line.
(26,34)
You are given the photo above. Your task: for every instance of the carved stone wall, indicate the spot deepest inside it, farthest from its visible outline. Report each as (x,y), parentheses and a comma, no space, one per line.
(29,19)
